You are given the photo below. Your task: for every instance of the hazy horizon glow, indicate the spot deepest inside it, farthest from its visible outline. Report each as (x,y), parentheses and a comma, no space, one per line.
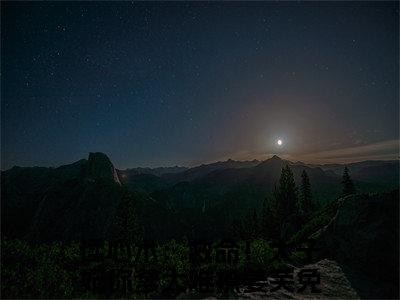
(185,83)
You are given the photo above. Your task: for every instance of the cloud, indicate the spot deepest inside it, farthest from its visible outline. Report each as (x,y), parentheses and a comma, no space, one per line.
(381,150)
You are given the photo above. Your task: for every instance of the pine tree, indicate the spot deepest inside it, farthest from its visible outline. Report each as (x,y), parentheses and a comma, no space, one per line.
(348,186)
(286,195)
(305,194)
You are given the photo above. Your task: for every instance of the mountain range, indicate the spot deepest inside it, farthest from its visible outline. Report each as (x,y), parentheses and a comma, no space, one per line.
(88,198)
(80,199)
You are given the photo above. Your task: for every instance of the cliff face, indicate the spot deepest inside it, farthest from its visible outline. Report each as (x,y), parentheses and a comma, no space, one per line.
(100,166)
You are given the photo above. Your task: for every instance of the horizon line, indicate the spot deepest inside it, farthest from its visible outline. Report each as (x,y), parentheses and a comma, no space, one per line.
(284,157)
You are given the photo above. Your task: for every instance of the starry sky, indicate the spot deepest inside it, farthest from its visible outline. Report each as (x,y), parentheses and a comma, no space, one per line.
(183,83)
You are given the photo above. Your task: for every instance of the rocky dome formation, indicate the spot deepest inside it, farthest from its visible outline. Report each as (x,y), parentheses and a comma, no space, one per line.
(100,166)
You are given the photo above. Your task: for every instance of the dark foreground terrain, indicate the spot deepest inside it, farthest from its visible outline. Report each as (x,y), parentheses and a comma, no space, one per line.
(48,214)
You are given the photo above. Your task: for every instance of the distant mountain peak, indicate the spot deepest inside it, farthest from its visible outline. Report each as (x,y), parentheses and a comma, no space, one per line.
(275,157)
(274,160)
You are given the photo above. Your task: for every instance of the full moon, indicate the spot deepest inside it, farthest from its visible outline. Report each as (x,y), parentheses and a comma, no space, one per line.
(279,142)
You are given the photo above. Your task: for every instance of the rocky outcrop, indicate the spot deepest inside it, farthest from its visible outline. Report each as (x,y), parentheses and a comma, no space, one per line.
(363,236)
(333,285)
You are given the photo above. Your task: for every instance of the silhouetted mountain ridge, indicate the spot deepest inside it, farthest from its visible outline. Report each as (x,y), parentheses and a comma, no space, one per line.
(80,199)
(204,169)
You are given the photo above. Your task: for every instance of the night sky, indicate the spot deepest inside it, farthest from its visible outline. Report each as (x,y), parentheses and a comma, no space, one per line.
(164,83)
